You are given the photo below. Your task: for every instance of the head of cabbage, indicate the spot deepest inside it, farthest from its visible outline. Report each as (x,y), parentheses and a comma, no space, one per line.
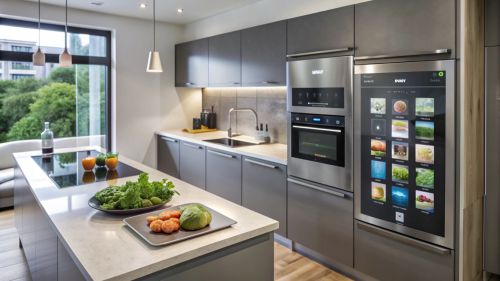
(195,217)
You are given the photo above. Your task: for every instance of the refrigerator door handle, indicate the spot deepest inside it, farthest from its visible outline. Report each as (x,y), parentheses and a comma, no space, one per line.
(404,239)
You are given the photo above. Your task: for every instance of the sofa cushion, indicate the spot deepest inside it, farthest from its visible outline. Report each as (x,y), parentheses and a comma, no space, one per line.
(7,189)
(6,175)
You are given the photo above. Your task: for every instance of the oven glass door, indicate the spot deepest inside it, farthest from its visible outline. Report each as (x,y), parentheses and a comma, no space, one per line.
(323,144)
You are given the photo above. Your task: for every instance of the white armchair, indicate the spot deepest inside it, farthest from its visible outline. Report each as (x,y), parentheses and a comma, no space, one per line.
(7,162)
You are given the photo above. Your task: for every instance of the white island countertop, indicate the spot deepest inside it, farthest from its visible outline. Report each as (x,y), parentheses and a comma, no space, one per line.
(105,249)
(273,152)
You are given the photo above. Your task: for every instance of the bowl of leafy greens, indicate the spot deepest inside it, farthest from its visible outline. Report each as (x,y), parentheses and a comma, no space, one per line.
(134,196)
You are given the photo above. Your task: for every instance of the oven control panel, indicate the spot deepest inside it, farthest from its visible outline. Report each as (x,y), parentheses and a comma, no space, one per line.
(312,119)
(318,97)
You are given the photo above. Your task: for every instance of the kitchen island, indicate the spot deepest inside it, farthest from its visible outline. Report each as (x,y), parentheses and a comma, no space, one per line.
(64,239)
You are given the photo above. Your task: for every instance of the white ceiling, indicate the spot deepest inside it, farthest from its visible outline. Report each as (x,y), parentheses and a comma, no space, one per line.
(166,10)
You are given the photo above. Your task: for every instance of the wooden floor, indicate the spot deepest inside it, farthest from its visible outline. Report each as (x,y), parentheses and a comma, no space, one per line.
(288,265)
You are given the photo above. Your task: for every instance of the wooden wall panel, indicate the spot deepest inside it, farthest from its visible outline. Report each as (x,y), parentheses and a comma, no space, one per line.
(472,139)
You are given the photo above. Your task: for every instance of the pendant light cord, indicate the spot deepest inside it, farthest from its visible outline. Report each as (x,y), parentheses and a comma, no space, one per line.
(154,25)
(66,28)
(39,43)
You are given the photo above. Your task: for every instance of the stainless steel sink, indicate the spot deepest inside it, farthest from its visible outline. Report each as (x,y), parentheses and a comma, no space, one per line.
(230,142)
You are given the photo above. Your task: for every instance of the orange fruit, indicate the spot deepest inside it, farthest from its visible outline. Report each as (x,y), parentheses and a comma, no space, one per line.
(112,162)
(88,163)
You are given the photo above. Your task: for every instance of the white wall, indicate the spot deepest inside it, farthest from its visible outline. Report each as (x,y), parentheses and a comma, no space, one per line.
(144,103)
(262,12)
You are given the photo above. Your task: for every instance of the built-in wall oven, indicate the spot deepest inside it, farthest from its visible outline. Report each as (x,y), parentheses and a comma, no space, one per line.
(319,103)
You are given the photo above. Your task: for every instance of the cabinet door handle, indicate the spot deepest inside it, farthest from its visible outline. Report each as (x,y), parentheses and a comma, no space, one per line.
(192,145)
(406,54)
(331,192)
(261,164)
(220,154)
(269,82)
(403,239)
(236,83)
(322,52)
(189,84)
(169,139)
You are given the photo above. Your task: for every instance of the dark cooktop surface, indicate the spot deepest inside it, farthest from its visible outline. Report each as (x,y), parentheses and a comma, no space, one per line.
(66,170)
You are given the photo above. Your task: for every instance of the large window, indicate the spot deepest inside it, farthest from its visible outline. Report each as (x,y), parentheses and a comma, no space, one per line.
(76,100)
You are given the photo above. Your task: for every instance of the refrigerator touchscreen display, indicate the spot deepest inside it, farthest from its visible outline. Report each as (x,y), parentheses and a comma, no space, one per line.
(403,148)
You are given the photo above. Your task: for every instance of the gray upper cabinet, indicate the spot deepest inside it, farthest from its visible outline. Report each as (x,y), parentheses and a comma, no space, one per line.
(191,64)
(321,218)
(168,156)
(264,189)
(393,257)
(224,60)
(325,33)
(263,55)
(492,23)
(192,164)
(223,176)
(405,28)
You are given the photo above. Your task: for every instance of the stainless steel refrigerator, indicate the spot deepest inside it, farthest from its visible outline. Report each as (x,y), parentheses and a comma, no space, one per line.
(492,158)
(404,180)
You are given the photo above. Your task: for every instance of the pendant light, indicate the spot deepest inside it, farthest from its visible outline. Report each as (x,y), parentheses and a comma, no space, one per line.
(65,59)
(39,56)
(154,61)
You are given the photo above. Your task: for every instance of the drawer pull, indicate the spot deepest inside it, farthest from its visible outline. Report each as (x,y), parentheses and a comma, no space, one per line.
(169,139)
(261,164)
(220,154)
(400,55)
(331,51)
(269,82)
(331,192)
(404,239)
(193,146)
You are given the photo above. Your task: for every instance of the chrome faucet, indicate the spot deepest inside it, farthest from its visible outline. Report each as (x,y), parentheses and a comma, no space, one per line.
(229,130)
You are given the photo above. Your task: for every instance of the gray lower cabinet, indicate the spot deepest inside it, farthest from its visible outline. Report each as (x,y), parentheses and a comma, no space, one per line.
(264,189)
(398,27)
(168,160)
(326,32)
(263,55)
(392,257)
(192,164)
(46,257)
(224,174)
(321,219)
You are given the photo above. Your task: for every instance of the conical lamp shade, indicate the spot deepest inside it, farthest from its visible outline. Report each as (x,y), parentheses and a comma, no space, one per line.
(154,62)
(65,59)
(39,58)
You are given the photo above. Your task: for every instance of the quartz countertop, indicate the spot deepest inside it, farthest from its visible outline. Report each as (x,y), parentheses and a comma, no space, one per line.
(273,152)
(105,249)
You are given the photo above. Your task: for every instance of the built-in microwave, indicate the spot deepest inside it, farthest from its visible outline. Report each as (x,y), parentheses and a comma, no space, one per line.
(319,121)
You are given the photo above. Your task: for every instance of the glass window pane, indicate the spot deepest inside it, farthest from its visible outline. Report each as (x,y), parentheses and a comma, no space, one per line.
(22,39)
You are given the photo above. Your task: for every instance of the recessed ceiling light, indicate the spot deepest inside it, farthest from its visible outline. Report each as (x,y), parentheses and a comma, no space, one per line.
(97,3)
(180,11)
(143,6)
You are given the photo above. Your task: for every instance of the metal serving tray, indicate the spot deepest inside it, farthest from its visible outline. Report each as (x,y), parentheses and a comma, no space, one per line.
(139,225)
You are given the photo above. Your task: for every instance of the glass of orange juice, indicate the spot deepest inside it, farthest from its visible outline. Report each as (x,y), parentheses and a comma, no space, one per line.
(112,160)
(88,163)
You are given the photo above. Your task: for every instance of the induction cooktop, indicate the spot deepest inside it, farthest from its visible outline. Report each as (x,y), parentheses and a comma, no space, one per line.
(65,169)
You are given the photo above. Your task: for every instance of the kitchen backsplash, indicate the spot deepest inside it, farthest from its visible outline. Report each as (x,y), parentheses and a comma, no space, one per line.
(270,104)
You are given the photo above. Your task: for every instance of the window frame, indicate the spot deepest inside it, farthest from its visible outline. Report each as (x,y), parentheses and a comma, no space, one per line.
(14,56)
